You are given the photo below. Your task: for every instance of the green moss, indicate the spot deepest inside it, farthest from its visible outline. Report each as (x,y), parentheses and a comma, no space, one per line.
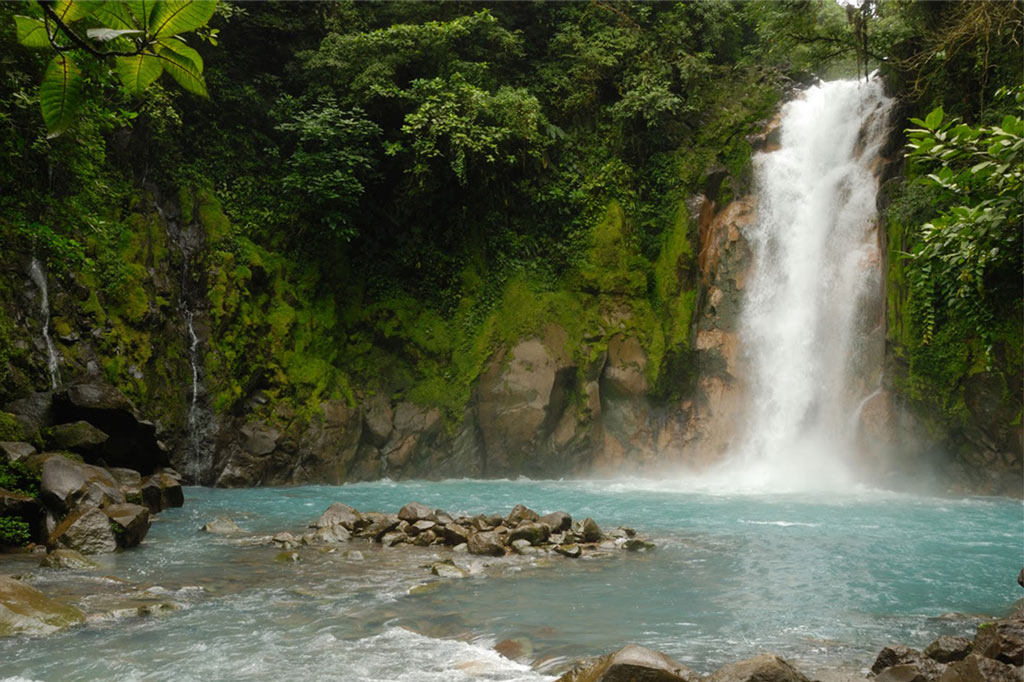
(10,429)
(612,264)
(211,216)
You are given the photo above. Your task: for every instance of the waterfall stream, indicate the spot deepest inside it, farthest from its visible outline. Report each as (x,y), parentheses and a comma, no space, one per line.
(39,278)
(806,329)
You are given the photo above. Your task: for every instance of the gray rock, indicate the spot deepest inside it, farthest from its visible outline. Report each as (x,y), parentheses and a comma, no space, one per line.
(1002,640)
(447,569)
(975,668)
(904,672)
(519,514)
(61,484)
(162,491)
(454,534)
(378,525)
(393,538)
(129,482)
(947,649)
(487,543)
(557,521)
(572,551)
(332,535)
(425,539)
(130,523)
(24,610)
(631,664)
(339,514)
(534,533)
(67,559)
(421,526)
(905,658)
(222,525)
(763,668)
(87,530)
(588,530)
(414,511)
(523,547)
(15,451)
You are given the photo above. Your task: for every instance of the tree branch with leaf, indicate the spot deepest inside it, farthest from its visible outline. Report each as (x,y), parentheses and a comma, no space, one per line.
(143,39)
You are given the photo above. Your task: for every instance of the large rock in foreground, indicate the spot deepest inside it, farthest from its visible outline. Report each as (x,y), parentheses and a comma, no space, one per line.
(24,610)
(86,530)
(632,663)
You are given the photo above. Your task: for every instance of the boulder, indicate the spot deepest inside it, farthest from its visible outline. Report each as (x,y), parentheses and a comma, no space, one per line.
(904,658)
(132,441)
(572,551)
(130,523)
(222,525)
(378,525)
(763,668)
(486,542)
(414,511)
(637,545)
(331,535)
(33,412)
(632,663)
(80,436)
(1002,640)
(947,649)
(162,491)
(24,610)
(67,559)
(905,672)
(519,514)
(377,420)
(14,451)
(129,481)
(447,569)
(454,534)
(975,668)
(339,514)
(534,533)
(86,530)
(588,530)
(65,484)
(424,539)
(557,521)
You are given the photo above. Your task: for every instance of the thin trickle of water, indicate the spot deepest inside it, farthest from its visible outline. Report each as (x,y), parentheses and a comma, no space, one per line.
(817,265)
(39,278)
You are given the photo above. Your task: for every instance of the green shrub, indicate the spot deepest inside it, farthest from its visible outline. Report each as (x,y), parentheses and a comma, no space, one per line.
(14,531)
(17,478)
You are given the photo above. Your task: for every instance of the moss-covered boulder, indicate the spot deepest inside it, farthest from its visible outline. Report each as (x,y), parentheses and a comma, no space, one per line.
(24,610)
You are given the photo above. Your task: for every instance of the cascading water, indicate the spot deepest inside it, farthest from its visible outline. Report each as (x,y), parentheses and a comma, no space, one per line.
(808,338)
(35,271)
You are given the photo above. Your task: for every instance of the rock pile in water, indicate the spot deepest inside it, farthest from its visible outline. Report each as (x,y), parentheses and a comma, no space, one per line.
(522,531)
(635,663)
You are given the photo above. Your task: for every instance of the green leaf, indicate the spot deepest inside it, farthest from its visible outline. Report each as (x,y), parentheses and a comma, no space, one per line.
(934,119)
(177,45)
(105,34)
(139,71)
(172,17)
(182,69)
(116,15)
(60,94)
(141,12)
(1010,123)
(70,10)
(31,31)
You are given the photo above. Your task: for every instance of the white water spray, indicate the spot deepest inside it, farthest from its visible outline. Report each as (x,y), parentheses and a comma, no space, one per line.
(817,263)
(35,271)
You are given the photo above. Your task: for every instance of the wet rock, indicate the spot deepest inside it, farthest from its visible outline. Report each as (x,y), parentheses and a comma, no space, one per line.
(534,533)
(632,663)
(414,511)
(24,610)
(442,517)
(129,482)
(454,534)
(447,569)
(638,545)
(421,526)
(488,543)
(481,522)
(557,521)
(947,649)
(523,547)
(15,451)
(67,559)
(572,551)
(904,672)
(287,556)
(906,659)
(516,648)
(130,523)
(86,530)
(162,491)
(763,668)
(588,530)
(975,668)
(520,514)
(222,525)
(1020,578)
(378,525)
(392,538)
(80,436)
(424,539)
(1002,640)
(332,535)
(339,514)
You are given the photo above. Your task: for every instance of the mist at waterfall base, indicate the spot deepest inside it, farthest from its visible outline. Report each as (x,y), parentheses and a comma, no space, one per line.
(825,581)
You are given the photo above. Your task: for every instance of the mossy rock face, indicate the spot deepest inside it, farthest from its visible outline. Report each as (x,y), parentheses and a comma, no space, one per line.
(10,429)
(24,610)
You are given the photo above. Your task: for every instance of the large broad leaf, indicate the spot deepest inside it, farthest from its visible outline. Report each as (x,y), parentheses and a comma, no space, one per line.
(31,31)
(115,15)
(72,10)
(139,71)
(178,16)
(182,69)
(184,50)
(60,94)
(934,119)
(141,12)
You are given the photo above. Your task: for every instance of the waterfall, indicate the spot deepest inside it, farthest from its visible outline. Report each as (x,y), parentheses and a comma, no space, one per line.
(35,271)
(805,331)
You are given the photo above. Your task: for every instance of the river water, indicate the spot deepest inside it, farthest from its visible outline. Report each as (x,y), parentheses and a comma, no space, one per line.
(825,581)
